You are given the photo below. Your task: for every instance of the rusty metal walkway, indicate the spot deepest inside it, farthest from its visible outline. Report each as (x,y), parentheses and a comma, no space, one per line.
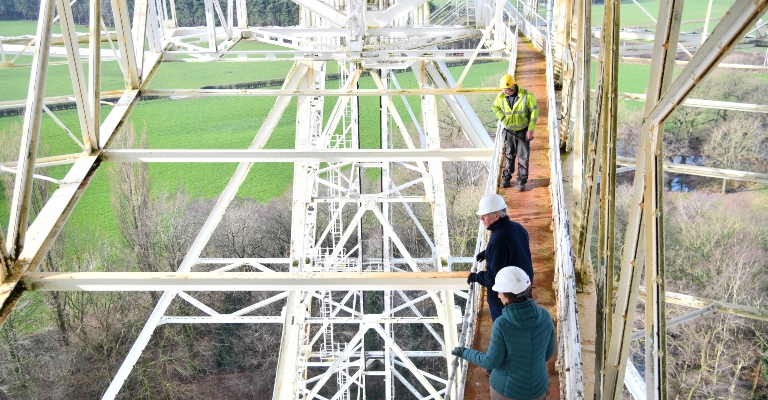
(532,209)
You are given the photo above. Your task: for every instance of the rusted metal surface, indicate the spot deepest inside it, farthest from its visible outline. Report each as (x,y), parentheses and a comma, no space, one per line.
(530,208)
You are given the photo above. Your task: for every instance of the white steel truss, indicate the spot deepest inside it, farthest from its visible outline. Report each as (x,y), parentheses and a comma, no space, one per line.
(329,312)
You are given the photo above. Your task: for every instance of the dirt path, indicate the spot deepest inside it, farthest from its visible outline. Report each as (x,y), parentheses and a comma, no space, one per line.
(532,209)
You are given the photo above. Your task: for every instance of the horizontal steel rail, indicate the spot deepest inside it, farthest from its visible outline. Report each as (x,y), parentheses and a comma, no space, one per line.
(242,281)
(319,92)
(697,170)
(321,155)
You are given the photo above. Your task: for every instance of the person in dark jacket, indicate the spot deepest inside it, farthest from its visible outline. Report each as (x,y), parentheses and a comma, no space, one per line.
(508,245)
(522,341)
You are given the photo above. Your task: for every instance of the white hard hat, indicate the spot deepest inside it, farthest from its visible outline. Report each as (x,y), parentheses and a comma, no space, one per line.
(511,280)
(489,203)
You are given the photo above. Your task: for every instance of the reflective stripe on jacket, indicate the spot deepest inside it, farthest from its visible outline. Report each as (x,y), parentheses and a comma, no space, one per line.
(522,116)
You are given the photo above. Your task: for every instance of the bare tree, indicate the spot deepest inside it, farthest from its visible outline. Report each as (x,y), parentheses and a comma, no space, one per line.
(738,143)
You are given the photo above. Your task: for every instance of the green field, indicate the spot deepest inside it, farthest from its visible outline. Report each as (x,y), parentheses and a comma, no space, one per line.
(21,28)
(212,122)
(222,122)
(633,16)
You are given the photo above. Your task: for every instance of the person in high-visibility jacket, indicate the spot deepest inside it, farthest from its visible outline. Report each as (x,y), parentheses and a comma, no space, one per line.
(516,108)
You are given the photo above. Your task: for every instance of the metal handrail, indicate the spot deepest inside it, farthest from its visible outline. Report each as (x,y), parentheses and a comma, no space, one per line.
(473,299)
(569,356)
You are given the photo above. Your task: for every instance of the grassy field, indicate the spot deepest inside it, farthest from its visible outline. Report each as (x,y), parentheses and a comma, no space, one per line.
(633,16)
(21,28)
(221,122)
(214,122)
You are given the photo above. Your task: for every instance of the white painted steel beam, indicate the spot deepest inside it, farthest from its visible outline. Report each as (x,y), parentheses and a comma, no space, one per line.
(710,309)
(42,162)
(228,194)
(94,69)
(322,92)
(77,75)
(722,307)
(241,281)
(737,21)
(291,375)
(22,189)
(308,156)
(324,10)
(645,225)
(711,172)
(390,14)
(125,43)
(394,58)
(716,105)
(11,104)
(5,260)
(470,124)
(604,153)
(50,220)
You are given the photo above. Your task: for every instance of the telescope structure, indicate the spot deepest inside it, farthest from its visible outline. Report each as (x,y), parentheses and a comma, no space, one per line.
(351,288)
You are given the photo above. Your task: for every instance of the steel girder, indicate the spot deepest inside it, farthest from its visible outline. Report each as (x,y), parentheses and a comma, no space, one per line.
(603,164)
(647,247)
(644,239)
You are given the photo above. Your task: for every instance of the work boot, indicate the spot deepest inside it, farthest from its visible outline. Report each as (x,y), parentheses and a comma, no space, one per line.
(505,184)
(520,187)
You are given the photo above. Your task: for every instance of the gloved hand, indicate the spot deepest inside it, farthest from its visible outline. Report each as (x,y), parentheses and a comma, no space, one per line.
(471,278)
(458,351)
(480,257)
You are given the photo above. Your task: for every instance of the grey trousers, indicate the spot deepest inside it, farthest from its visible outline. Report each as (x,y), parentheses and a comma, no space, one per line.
(497,396)
(516,146)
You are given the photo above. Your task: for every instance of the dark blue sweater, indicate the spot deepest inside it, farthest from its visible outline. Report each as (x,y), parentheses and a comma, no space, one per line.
(522,341)
(507,247)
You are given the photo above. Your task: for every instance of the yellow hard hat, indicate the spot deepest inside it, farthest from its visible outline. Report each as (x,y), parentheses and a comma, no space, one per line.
(506,81)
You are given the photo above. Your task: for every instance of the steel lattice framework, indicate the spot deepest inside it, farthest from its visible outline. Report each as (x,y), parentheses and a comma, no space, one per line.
(326,282)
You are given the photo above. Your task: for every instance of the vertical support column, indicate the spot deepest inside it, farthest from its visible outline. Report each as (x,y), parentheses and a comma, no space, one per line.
(304,210)
(210,24)
(562,24)
(154,31)
(580,112)
(139,30)
(76,73)
(441,240)
(645,214)
(94,68)
(242,14)
(230,17)
(607,89)
(705,30)
(292,370)
(285,377)
(22,188)
(355,25)
(5,260)
(564,49)
(386,242)
(665,46)
(125,43)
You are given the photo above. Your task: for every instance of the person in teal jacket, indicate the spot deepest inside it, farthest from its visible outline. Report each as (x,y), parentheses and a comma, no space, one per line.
(516,108)
(522,341)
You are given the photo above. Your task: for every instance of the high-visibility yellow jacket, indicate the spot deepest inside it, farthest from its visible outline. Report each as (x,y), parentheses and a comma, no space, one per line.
(524,113)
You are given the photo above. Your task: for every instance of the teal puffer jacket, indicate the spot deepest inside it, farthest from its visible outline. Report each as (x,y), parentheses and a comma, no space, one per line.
(522,341)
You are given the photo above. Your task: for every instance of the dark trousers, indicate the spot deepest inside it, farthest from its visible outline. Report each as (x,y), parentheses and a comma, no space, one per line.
(495,312)
(516,146)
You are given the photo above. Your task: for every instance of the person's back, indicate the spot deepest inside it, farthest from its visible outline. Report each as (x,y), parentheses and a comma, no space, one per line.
(509,245)
(523,339)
